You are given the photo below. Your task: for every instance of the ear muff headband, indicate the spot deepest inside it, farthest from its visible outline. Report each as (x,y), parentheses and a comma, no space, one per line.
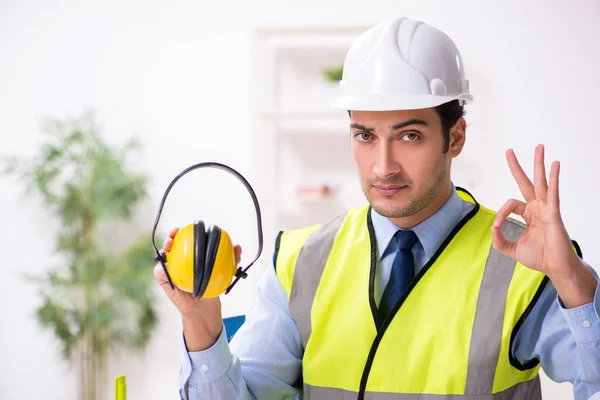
(240,273)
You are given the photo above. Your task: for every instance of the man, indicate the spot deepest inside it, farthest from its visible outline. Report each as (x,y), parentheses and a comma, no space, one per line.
(423,293)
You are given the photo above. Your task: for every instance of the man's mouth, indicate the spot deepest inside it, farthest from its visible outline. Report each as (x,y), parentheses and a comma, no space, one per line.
(389,190)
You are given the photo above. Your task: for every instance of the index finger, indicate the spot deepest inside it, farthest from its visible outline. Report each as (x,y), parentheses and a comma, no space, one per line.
(525,185)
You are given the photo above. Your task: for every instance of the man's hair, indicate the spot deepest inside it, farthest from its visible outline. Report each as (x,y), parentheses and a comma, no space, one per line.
(449,113)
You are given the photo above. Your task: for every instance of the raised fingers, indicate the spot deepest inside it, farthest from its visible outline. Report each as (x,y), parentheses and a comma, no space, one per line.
(553,193)
(539,174)
(525,185)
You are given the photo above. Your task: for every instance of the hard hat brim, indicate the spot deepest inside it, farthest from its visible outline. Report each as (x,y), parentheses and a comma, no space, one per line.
(388,102)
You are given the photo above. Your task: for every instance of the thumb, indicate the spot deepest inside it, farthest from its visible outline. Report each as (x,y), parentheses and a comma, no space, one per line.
(161,277)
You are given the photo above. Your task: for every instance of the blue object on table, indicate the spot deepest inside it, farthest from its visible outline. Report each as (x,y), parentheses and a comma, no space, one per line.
(232,324)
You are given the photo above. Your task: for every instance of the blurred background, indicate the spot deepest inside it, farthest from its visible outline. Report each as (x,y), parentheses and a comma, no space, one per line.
(246,84)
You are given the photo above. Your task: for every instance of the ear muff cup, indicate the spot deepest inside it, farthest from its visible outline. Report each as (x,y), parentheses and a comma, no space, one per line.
(214,261)
(199,258)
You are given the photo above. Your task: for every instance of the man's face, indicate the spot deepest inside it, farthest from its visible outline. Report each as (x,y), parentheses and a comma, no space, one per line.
(400,159)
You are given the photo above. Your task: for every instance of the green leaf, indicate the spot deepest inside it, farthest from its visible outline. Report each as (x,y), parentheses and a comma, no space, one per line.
(60,321)
(334,74)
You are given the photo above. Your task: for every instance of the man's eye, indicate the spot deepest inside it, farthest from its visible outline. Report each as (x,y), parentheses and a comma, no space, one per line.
(363,136)
(411,136)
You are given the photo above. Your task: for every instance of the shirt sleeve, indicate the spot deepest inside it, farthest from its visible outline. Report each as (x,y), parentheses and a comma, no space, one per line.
(584,321)
(263,361)
(565,341)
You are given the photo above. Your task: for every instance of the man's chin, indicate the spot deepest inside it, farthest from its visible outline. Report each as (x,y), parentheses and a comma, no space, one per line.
(390,208)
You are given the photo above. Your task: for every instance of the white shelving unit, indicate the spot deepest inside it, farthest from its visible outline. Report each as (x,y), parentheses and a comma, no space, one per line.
(297,140)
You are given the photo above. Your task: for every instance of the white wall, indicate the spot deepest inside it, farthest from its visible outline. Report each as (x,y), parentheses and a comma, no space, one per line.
(176,74)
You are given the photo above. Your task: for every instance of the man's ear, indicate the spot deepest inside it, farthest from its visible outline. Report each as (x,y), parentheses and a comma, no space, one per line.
(458,135)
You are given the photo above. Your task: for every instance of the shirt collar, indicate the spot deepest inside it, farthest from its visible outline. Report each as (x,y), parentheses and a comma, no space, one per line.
(431,232)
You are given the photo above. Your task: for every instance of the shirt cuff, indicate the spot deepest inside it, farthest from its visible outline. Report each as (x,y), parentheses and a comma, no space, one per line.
(201,367)
(584,321)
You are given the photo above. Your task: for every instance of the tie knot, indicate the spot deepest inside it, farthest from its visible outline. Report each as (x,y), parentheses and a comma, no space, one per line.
(406,239)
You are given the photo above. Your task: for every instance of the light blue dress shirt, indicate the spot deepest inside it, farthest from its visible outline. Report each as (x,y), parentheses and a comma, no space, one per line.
(264,359)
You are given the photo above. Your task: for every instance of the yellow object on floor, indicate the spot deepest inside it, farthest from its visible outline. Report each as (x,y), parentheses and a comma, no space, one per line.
(120,388)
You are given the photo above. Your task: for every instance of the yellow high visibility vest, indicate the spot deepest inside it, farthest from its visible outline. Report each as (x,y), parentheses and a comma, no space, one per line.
(450,335)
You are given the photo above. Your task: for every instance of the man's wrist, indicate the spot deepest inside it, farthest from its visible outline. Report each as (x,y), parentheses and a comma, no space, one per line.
(576,287)
(200,335)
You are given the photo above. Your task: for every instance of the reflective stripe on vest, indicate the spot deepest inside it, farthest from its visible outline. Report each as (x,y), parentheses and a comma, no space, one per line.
(529,390)
(467,289)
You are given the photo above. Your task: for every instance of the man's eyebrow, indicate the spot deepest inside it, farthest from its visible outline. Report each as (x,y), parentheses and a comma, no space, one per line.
(399,125)
(362,127)
(414,121)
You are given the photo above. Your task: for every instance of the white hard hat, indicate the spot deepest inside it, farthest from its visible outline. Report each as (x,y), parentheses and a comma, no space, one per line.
(402,65)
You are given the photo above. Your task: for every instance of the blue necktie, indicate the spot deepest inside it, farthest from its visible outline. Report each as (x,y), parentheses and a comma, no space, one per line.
(402,272)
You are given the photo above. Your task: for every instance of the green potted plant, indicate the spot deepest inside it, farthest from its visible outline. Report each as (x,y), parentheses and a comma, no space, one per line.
(334,74)
(97,299)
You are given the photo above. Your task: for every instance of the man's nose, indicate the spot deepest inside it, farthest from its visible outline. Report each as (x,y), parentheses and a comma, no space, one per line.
(385,165)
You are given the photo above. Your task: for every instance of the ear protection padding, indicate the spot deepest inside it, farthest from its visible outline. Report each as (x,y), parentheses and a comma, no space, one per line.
(199,257)
(208,254)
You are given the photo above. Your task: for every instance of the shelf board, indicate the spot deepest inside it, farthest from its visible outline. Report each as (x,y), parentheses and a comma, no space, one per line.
(308,121)
(303,40)
(303,114)
(310,30)
(325,123)
(328,48)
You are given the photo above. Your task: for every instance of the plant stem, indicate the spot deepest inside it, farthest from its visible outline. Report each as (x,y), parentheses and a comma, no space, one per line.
(81,363)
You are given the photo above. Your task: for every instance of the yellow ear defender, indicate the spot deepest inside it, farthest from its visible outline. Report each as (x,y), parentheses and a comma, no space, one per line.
(202,260)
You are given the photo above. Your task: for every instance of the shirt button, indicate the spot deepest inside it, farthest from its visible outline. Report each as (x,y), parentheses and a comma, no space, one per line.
(205,367)
(586,324)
